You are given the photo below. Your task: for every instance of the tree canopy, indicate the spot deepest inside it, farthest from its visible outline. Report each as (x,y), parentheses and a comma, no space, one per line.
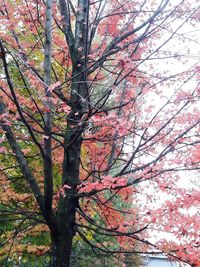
(99,130)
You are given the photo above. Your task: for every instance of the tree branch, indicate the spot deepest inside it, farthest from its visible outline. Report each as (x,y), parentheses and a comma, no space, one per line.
(48,177)
(23,164)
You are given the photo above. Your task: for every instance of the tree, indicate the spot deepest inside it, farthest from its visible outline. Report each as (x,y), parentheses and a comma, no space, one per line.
(81,136)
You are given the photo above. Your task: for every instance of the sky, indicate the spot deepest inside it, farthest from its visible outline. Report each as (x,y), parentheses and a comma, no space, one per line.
(186,43)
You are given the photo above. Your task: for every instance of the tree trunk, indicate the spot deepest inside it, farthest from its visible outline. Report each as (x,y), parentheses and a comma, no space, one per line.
(62,240)
(61,250)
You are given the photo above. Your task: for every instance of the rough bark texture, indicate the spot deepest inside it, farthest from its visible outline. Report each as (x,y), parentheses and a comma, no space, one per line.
(62,244)
(61,248)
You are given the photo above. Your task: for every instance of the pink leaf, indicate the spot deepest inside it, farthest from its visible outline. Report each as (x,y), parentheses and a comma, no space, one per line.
(54,86)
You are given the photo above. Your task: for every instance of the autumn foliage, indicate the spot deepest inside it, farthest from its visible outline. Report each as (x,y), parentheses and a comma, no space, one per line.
(99,129)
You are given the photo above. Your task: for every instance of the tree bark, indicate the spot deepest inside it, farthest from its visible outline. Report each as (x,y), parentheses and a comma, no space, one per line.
(62,240)
(61,249)
(68,203)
